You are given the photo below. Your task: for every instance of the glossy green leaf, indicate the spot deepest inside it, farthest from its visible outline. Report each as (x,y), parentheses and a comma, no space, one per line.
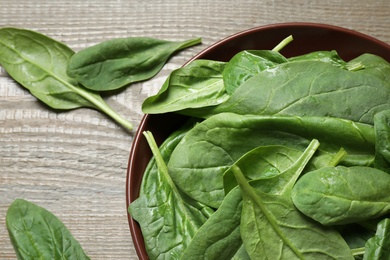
(343,195)
(307,88)
(373,65)
(331,57)
(150,176)
(219,237)
(272,228)
(199,84)
(378,247)
(39,64)
(268,161)
(199,161)
(167,217)
(37,234)
(246,64)
(116,63)
(382,146)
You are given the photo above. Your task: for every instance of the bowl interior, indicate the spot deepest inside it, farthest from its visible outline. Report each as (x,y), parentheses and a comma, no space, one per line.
(308,37)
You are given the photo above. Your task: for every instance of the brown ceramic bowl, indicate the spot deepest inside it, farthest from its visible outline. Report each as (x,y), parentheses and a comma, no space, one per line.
(308,37)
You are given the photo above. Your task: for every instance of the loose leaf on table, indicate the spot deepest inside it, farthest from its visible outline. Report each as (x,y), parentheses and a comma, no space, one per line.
(307,88)
(272,228)
(245,64)
(39,64)
(378,247)
(36,233)
(115,63)
(198,84)
(168,220)
(343,195)
(199,161)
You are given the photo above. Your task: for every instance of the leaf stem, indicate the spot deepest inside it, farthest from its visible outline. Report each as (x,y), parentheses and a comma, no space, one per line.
(162,167)
(338,157)
(249,191)
(190,43)
(355,66)
(283,43)
(102,105)
(358,251)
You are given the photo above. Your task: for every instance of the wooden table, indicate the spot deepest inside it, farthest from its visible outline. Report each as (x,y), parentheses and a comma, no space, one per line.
(74,163)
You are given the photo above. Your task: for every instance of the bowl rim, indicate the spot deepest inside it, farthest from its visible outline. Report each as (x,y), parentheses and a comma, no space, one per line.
(130,197)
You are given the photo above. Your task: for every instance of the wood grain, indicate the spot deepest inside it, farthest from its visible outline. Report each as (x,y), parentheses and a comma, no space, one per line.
(74,163)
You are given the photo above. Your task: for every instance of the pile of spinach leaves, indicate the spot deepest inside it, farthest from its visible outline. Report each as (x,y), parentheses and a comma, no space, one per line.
(282,158)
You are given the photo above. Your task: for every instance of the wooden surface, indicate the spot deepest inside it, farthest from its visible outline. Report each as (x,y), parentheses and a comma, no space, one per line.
(74,163)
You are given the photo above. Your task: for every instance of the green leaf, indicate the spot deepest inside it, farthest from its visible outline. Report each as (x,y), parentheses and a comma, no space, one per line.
(199,84)
(168,218)
(272,228)
(115,63)
(219,237)
(268,161)
(246,64)
(342,195)
(382,145)
(198,163)
(150,176)
(331,57)
(378,247)
(307,88)
(39,63)
(373,65)
(36,233)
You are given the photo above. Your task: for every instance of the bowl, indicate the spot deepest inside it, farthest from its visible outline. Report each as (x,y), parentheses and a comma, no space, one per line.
(308,37)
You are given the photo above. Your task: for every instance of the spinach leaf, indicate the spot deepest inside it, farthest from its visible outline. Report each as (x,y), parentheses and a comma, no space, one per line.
(307,88)
(268,161)
(382,145)
(343,195)
(39,63)
(205,83)
(241,254)
(373,65)
(331,57)
(199,161)
(378,247)
(166,218)
(272,228)
(149,178)
(115,63)
(199,84)
(36,233)
(245,64)
(219,237)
